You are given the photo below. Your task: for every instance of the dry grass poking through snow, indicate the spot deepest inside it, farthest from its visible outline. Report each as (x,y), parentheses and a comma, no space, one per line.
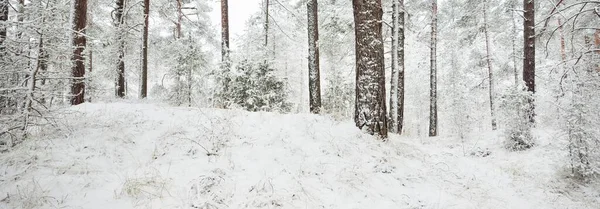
(149,156)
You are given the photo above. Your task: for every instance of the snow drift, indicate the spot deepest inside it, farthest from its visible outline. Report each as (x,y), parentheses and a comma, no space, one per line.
(151,156)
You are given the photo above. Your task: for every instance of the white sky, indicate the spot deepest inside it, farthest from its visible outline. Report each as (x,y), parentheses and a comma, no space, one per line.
(239,12)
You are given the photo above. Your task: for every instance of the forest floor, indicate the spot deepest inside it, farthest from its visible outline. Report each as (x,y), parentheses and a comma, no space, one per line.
(124,155)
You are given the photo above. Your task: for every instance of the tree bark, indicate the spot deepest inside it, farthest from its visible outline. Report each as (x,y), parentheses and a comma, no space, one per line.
(266,26)
(397,80)
(529,54)
(225,52)
(79,43)
(433,116)
(563,50)
(394,70)
(514,51)
(370,112)
(119,23)
(314,74)
(401,68)
(225,32)
(179,19)
(489,64)
(144,83)
(4,5)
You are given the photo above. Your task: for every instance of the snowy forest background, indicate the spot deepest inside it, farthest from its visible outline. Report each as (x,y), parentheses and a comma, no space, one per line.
(468,57)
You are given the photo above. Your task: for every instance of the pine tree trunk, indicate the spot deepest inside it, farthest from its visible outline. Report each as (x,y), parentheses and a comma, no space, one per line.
(144,82)
(394,70)
(179,19)
(266,26)
(529,54)
(42,65)
(489,64)
(433,116)
(119,23)
(514,51)
(370,112)
(225,59)
(79,43)
(4,5)
(225,32)
(563,50)
(400,91)
(90,81)
(397,80)
(314,75)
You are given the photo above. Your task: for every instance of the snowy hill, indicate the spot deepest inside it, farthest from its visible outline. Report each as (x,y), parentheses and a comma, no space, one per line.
(150,156)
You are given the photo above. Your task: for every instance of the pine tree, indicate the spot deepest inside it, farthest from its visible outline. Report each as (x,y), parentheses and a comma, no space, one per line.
(529,54)
(3,18)
(79,44)
(370,111)
(397,80)
(314,77)
(120,40)
(225,53)
(488,59)
(144,77)
(433,115)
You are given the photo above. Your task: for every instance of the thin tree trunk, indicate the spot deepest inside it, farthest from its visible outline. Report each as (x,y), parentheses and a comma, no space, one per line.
(120,20)
(20,17)
(314,74)
(563,50)
(370,112)
(514,49)
(397,80)
(79,43)
(529,54)
(225,59)
(144,83)
(394,70)
(400,91)
(179,19)
(489,64)
(433,116)
(225,32)
(42,65)
(90,70)
(31,85)
(266,26)
(4,5)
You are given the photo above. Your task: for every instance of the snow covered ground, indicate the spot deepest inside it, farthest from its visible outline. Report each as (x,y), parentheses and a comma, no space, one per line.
(122,155)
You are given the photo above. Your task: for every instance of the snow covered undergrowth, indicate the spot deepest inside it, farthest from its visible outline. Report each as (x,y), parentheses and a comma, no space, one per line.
(149,156)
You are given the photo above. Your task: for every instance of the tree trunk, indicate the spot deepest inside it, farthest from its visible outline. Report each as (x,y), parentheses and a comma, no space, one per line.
(79,43)
(514,51)
(397,80)
(225,52)
(225,33)
(90,87)
(266,26)
(314,74)
(42,65)
(144,83)
(179,19)
(4,5)
(120,20)
(400,91)
(370,112)
(394,70)
(563,50)
(489,64)
(433,116)
(529,54)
